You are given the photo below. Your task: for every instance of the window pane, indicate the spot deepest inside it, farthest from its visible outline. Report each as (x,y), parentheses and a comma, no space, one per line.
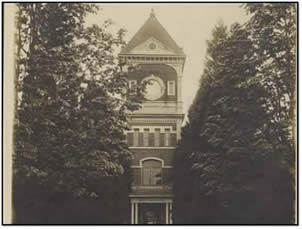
(152,164)
(157,137)
(156,176)
(146,137)
(151,172)
(146,176)
(167,137)
(135,137)
(171,87)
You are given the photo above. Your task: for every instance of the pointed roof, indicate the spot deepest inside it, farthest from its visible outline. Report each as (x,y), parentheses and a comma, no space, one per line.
(152,28)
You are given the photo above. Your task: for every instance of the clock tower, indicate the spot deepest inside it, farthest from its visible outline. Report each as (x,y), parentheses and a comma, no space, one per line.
(155,127)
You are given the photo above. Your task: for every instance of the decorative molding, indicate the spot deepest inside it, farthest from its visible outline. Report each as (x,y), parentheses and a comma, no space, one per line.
(151,128)
(151,158)
(163,103)
(163,115)
(140,198)
(152,147)
(177,67)
(166,102)
(139,167)
(152,187)
(150,120)
(147,58)
(151,124)
(158,48)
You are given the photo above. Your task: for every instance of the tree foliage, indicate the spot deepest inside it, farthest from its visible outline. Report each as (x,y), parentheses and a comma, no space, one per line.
(70,116)
(236,155)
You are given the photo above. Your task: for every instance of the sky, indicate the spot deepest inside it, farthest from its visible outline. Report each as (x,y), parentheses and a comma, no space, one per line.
(190,25)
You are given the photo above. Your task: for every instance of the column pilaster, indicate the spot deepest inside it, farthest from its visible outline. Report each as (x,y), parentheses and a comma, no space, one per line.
(170,213)
(132,213)
(167,213)
(136,213)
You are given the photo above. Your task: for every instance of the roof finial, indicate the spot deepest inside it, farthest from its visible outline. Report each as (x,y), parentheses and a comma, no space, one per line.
(152,12)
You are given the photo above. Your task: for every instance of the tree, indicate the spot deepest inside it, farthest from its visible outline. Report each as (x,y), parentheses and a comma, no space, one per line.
(220,119)
(225,150)
(273,30)
(188,206)
(70,116)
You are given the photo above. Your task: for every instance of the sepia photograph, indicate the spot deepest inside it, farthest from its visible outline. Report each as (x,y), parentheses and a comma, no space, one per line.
(149,113)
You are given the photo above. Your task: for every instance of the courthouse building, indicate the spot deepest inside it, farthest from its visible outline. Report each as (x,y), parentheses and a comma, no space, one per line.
(154,128)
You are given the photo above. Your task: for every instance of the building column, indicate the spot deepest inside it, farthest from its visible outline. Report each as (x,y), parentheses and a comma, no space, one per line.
(170,215)
(179,84)
(132,213)
(136,213)
(167,213)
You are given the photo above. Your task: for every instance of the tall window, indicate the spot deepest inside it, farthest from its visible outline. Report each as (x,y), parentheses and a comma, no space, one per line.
(135,137)
(167,137)
(151,172)
(157,137)
(146,137)
(171,87)
(132,87)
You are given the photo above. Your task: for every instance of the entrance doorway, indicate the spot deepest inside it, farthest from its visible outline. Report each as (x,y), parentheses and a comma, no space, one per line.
(152,213)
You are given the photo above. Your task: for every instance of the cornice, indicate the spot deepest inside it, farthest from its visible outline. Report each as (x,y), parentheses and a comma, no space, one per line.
(147,58)
(152,147)
(152,196)
(146,115)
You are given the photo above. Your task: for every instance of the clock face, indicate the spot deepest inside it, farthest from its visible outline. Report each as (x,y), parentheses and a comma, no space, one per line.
(154,88)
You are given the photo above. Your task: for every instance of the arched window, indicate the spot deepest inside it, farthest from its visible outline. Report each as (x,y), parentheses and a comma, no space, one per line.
(151,172)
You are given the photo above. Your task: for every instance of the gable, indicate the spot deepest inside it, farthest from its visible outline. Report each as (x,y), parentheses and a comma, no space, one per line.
(152,46)
(152,29)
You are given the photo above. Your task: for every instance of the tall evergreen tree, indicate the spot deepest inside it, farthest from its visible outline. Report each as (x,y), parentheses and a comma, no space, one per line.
(232,167)
(273,30)
(220,120)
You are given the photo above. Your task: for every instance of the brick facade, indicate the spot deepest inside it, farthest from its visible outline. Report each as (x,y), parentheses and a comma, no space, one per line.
(154,129)
(165,154)
(151,141)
